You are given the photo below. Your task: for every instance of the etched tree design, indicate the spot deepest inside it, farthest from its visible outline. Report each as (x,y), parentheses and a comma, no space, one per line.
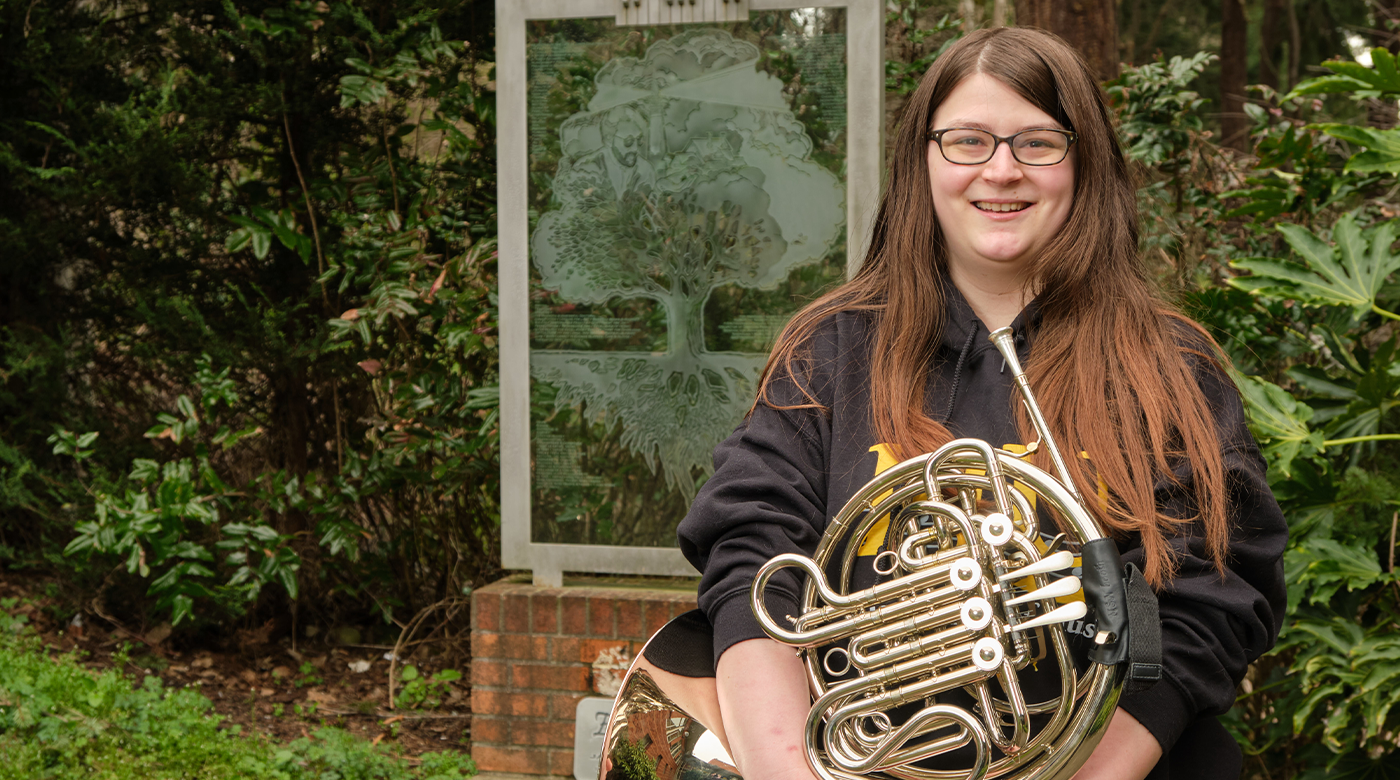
(687,172)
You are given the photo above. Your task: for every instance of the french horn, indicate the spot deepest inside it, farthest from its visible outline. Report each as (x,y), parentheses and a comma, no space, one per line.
(921,676)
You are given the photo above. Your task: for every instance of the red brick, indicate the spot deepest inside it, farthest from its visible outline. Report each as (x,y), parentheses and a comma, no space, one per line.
(489,673)
(486,702)
(602,616)
(529,705)
(525,761)
(486,611)
(486,644)
(523,647)
(515,613)
(658,615)
(544,613)
(511,705)
(490,730)
(549,733)
(629,618)
(539,677)
(564,706)
(590,649)
(573,615)
(561,762)
(565,649)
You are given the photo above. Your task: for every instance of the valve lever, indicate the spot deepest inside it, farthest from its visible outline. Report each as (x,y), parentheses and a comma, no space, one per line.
(1074,610)
(1064,586)
(1060,560)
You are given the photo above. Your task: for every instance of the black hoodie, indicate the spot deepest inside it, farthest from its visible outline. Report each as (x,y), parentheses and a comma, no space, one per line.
(784,474)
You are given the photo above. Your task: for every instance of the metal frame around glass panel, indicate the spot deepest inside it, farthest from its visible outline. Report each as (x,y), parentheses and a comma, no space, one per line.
(865,111)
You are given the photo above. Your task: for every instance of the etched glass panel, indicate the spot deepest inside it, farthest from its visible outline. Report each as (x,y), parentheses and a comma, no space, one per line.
(687,197)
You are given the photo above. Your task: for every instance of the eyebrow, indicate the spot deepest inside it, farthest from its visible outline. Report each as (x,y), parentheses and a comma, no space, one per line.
(975,125)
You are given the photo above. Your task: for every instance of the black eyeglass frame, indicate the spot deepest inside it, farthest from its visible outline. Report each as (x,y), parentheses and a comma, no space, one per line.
(937,137)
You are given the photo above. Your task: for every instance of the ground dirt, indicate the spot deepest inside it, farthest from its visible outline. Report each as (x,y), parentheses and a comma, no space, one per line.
(265,685)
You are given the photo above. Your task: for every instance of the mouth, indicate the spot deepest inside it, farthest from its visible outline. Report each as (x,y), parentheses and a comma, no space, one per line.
(983,205)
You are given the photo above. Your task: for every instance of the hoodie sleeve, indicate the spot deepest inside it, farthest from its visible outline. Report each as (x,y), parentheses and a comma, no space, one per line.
(1214,625)
(767,496)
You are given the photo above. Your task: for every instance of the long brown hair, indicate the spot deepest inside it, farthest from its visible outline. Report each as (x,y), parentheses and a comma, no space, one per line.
(1109,367)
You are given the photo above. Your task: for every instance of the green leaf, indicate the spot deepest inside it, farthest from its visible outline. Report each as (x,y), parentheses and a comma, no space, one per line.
(262,243)
(1300,717)
(144,470)
(1323,85)
(288,577)
(1280,422)
(1384,146)
(238,240)
(1320,568)
(1379,676)
(1352,76)
(1347,272)
(182,606)
(186,407)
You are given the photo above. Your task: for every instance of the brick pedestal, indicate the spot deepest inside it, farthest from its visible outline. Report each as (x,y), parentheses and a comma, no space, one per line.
(537,651)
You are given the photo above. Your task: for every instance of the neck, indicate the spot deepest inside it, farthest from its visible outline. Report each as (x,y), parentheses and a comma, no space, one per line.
(996,302)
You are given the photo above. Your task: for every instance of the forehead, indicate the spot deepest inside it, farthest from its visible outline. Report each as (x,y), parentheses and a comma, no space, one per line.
(987,103)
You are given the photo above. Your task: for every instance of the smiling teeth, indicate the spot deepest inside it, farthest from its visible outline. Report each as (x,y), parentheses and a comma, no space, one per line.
(1002,206)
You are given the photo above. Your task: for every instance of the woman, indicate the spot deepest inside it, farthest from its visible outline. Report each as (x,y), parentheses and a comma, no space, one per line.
(1008,203)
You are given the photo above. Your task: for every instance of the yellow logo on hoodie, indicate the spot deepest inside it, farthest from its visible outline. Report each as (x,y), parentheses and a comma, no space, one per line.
(875,537)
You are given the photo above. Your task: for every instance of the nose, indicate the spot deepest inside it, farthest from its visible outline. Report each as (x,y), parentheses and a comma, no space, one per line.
(1003,167)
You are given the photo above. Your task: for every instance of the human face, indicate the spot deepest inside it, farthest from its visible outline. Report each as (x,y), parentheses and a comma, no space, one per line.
(997,216)
(626,143)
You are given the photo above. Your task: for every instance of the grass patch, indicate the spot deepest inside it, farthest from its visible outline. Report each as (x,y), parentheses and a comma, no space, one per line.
(59,720)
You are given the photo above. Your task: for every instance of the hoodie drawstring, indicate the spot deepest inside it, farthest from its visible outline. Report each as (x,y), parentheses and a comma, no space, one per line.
(957,370)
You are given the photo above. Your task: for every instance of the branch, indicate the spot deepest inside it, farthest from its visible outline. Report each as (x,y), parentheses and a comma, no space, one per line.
(311,212)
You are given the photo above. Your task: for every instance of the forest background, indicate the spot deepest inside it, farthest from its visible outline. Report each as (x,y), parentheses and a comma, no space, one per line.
(247,319)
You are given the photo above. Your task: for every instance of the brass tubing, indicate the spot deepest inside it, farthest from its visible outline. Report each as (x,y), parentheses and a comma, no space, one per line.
(951,615)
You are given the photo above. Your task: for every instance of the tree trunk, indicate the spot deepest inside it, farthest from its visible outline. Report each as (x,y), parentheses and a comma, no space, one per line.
(1270,40)
(1129,23)
(1234,73)
(970,11)
(1295,44)
(1090,26)
(999,10)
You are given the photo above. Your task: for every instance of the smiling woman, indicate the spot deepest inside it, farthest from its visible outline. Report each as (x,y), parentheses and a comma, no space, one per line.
(1008,203)
(997,210)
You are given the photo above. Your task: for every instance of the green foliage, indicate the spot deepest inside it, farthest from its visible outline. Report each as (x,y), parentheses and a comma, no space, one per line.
(631,762)
(925,44)
(205,196)
(425,692)
(1320,329)
(1161,116)
(1383,147)
(307,676)
(1160,127)
(166,519)
(1280,423)
(59,720)
(1349,270)
(1351,77)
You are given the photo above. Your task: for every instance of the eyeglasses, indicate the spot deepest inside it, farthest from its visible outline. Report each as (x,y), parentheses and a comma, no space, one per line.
(966,146)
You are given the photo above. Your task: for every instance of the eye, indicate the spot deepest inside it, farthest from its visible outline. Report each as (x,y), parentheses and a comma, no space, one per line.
(966,139)
(1041,140)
